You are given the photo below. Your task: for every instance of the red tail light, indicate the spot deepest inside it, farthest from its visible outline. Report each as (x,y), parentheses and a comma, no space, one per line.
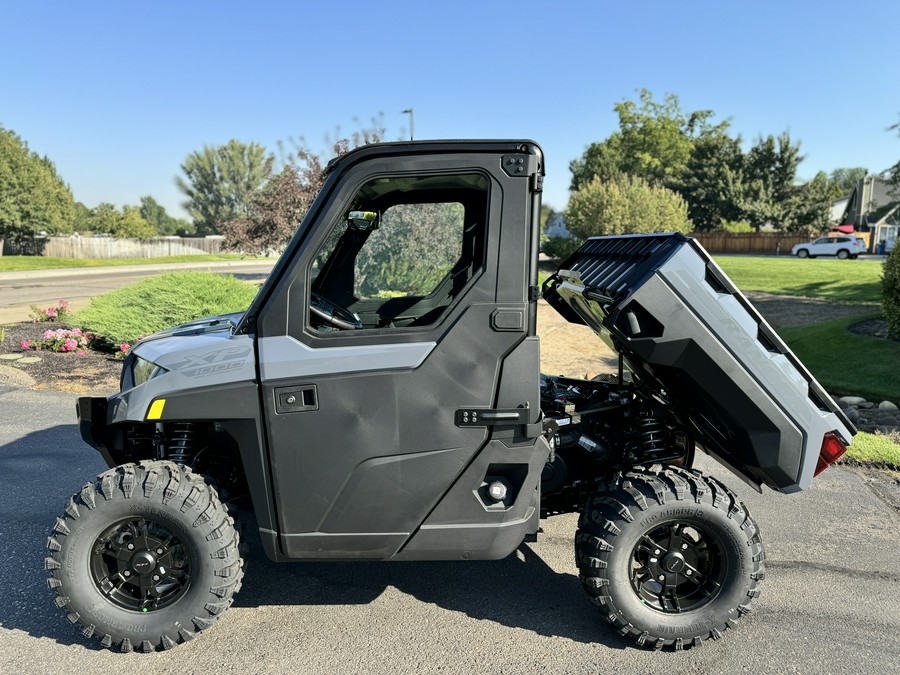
(832,449)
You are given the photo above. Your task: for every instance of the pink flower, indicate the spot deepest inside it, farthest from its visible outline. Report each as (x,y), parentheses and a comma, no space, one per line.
(25,344)
(124,347)
(38,347)
(80,352)
(70,345)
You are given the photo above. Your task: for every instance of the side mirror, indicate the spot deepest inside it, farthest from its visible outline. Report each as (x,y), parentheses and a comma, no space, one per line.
(363,220)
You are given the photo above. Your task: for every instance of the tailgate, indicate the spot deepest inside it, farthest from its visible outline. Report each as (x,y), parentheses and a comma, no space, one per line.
(687,332)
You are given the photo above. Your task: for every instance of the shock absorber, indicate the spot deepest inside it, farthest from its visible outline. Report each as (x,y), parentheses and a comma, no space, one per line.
(182,443)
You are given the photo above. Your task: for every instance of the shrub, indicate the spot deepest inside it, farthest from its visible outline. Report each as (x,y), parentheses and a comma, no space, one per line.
(59,312)
(560,248)
(625,205)
(61,340)
(159,302)
(890,292)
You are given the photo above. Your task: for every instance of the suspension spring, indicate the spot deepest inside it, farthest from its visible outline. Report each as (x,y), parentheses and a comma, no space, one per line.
(653,435)
(182,443)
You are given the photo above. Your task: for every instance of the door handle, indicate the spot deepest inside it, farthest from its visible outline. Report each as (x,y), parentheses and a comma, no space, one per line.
(296,399)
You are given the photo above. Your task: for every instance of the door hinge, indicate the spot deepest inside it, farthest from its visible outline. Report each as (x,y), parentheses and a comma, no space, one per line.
(534,293)
(537,182)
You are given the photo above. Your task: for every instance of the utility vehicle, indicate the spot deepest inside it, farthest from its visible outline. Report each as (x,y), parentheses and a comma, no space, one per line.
(381,399)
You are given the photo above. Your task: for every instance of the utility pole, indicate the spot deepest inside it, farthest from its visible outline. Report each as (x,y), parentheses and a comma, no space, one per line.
(410,111)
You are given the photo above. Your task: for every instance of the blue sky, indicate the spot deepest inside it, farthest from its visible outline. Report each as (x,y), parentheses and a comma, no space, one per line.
(118,94)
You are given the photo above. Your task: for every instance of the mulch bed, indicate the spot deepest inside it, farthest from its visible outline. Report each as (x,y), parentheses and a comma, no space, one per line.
(93,372)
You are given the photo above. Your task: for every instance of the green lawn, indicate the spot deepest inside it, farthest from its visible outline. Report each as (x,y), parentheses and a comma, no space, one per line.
(847,363)
(878,450)
(25,263)
(839,280)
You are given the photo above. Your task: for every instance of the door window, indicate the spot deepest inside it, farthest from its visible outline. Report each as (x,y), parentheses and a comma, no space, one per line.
(401,253)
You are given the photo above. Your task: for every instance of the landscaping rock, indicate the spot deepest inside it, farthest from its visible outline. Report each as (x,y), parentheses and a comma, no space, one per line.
(851,400)
(886,405)
(16,377)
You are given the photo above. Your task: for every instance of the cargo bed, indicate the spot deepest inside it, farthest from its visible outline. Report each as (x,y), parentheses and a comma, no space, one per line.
(689,334)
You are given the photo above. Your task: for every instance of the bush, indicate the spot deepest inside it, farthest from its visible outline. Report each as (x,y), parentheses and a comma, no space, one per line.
(625,205)
(559,248)
(890,292)
(162,301)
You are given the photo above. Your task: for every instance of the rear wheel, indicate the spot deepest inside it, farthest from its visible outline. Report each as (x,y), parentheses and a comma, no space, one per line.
(843,254)
(802,253)
(670,556)
(145,557)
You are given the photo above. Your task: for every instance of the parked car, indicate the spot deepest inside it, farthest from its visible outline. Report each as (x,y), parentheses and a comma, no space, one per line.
(842,247)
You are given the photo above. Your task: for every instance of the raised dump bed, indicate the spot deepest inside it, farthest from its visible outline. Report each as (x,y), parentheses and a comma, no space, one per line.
(686,331)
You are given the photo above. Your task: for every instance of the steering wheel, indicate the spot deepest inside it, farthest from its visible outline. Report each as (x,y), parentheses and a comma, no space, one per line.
(332,314)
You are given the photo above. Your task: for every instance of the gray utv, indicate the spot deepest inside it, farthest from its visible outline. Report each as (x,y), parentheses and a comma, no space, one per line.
(381,399)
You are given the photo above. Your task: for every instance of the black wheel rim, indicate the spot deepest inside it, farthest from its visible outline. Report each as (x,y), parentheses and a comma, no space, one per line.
(140,565)
(677,567)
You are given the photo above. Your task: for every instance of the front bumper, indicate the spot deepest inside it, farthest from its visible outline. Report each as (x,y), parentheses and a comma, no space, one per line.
(93,425)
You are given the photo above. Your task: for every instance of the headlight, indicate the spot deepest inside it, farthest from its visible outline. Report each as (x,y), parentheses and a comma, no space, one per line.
(143,370)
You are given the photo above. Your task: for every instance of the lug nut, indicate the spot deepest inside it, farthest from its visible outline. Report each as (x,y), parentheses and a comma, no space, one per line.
(130,547)
(662,577)
(689,573)
(126,573)
(656,552)
(155,577)
(683,547)
(159,551)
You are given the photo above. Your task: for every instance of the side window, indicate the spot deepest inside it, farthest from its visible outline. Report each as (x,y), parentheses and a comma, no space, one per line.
(411,252)
(401,254)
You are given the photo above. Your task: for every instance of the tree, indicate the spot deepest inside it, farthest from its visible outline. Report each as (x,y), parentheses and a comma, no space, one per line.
(625,205)
(768,194)
(105,219)
(164,224)
(33,197)
(276,210)
(712,181)
(130,224)
(654,141)
(842,180)
(220,182)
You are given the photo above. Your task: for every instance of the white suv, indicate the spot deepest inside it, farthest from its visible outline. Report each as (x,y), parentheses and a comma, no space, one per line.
(842,247)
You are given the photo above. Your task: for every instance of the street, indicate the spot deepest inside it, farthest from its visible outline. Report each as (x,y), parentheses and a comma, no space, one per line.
(829,601)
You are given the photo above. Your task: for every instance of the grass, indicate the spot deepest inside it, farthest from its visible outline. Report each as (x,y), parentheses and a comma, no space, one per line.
(875,449)
(847,363)
(27,263)
(162,301)
(838,280)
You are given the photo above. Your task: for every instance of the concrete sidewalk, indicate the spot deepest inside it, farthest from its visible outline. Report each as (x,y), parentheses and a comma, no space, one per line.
(216,265)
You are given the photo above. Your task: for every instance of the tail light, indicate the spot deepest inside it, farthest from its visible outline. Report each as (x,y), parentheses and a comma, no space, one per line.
(832,449)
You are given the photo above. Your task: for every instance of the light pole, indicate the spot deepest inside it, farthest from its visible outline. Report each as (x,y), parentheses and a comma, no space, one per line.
(410,111)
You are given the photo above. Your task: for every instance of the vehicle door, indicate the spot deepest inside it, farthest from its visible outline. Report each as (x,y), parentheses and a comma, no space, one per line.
(406,297)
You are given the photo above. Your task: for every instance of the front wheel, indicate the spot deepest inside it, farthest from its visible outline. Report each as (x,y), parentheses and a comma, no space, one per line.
(145,557)
(843,255)
(669,555)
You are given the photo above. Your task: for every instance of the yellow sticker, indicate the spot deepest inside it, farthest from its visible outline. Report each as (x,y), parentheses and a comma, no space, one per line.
(156,409)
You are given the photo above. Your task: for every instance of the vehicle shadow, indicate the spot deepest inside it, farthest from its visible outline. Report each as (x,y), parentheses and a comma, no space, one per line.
(520,591)
(38,474)
(41,470)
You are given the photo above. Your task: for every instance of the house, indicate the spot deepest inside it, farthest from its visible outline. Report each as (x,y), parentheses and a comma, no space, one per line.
(874,207)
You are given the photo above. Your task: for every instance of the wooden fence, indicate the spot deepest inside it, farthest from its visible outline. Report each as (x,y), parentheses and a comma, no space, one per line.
(761,243)
(107,247)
